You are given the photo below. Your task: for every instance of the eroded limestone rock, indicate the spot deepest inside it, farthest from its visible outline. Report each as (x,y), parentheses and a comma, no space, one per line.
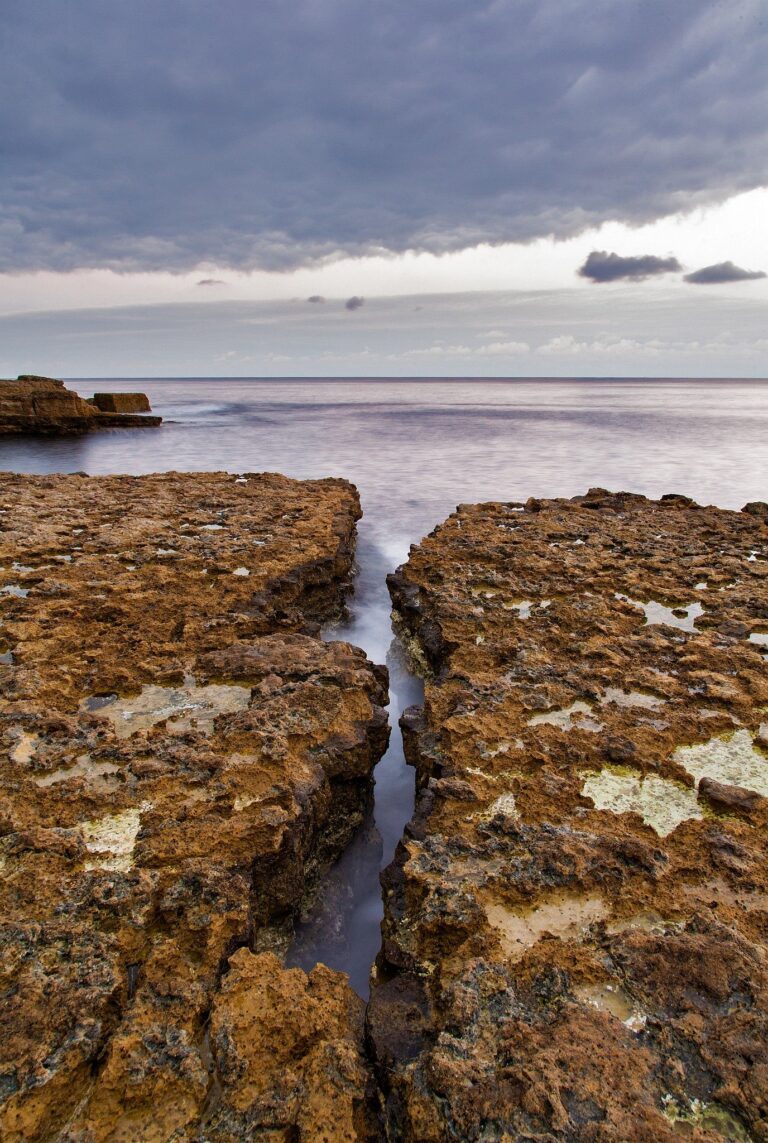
(558,963)
(43,406)
(181,758)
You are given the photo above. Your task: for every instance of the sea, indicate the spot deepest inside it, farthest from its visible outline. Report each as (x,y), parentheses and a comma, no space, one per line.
(416,448)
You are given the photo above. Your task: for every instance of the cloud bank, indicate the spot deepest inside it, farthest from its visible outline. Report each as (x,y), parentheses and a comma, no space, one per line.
(149,136)
(723,272)
(669,331)
(601,266)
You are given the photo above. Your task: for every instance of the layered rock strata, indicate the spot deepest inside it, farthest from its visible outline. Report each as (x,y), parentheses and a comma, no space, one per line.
(577,920)
(43,406)
(180,759)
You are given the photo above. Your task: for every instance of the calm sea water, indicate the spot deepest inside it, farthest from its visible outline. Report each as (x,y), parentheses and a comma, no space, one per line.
(415,449)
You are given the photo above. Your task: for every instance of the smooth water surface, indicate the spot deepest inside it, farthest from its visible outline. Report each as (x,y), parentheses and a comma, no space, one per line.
(416,449)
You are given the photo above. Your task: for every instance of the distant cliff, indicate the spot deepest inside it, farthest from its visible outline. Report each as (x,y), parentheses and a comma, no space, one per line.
(44,406)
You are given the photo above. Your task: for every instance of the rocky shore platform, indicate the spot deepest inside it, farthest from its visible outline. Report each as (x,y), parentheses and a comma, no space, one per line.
(576,923)
(43,406)
(181,757)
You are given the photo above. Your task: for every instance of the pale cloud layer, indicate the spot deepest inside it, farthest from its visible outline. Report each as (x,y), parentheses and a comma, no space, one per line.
(645,331)
(167,136)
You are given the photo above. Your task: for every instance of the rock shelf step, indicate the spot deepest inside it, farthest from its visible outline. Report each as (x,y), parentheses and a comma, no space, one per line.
(43,406)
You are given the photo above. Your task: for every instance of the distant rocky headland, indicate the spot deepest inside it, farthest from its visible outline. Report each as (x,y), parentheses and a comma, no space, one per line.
(576,920)
(43,406)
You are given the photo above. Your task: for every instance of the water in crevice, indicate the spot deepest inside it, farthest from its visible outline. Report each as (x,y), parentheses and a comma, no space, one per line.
(342,930)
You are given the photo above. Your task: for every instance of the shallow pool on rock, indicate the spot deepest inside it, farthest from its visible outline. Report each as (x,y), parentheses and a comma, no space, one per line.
(186,708)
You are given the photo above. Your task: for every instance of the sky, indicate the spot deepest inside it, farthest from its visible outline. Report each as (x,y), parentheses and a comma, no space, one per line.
(437,187)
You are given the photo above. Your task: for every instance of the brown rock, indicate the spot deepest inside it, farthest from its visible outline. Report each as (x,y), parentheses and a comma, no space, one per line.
(725,797)
(122,402)
(162,807)
(288,1051)
(44,406)
(578,952)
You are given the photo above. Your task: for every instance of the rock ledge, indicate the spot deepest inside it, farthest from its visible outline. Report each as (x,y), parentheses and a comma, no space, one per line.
(43,406)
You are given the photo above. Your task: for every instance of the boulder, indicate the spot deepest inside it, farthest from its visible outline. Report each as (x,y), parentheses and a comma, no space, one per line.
(122,402)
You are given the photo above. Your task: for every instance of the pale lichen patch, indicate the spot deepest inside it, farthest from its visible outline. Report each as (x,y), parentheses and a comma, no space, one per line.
(112,838)
(24,749)
(687,1115)
(188,707)
(505,805)
(733,759)
(562,915)
(661,803)
(613,999)
(643,699)
(83,767)
(243,801)
(577,716)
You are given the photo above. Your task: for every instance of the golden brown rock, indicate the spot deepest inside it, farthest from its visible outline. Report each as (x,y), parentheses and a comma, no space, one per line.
(122,402)
(180,758)
(44,406)
(289,1055)
(576,930)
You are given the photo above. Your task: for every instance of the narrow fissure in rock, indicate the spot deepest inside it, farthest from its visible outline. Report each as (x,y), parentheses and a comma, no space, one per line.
(342,927)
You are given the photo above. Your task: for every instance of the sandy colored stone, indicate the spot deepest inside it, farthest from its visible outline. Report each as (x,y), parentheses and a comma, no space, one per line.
(122,402)
(45,407)
(180,759)
(289,1055)
(552,969)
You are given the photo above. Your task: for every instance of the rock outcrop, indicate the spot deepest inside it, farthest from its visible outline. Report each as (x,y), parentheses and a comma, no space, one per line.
(121,402)
(43,406)
(576,923)
(181,758)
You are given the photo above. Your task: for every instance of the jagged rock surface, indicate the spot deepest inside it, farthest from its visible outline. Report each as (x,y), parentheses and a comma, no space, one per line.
(576,923)
(43,406)
(180,758)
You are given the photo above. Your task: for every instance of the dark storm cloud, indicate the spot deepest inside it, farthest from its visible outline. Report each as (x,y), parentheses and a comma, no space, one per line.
(722,272)
(601,266)
(163,133)
(211,282)
(354,303)
(316,298)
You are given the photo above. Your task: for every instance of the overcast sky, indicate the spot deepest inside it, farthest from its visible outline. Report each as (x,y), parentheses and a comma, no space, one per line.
(463,186)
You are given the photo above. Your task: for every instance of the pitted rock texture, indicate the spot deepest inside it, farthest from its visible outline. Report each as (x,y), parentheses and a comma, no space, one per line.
(576,922)
(43,406)
(180,759)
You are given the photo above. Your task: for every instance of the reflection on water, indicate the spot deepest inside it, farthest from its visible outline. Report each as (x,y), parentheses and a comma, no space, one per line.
(415,449)
(342,929)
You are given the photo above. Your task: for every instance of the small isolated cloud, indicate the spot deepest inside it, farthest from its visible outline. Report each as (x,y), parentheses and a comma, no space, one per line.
(211,282)
(722,272)
(316,298)
(354,303)
(601,266)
